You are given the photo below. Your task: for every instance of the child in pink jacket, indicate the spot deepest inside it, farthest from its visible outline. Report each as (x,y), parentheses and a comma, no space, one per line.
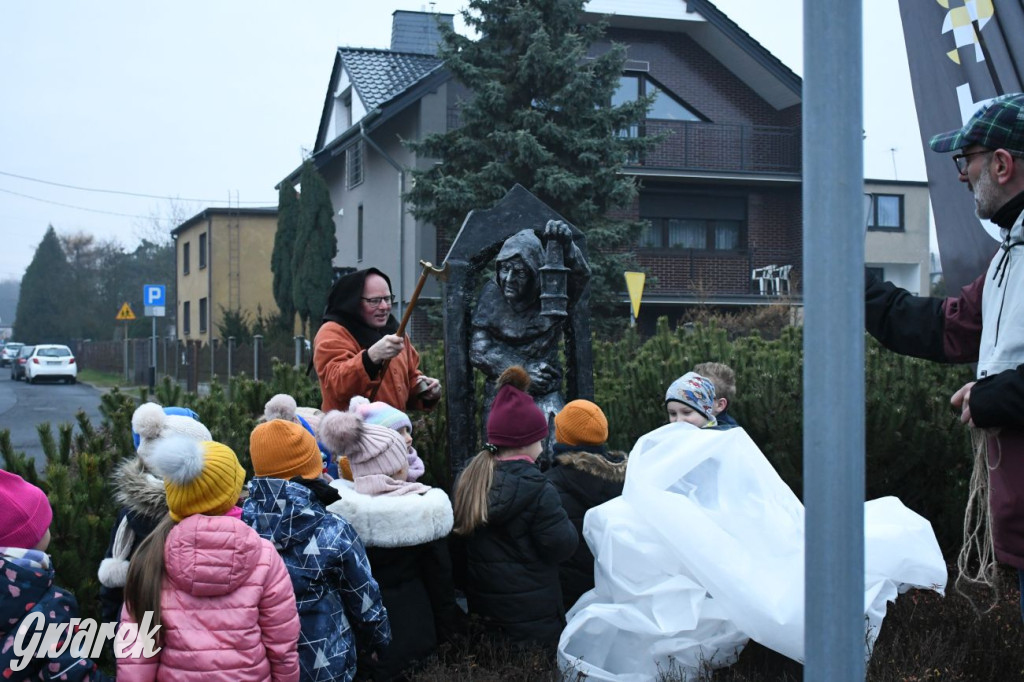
(220,593)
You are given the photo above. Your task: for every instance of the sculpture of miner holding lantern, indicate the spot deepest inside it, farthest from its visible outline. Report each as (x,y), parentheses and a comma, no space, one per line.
(519,316)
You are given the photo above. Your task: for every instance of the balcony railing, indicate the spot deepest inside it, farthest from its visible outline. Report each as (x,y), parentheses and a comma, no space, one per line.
(723,147)
(716,147)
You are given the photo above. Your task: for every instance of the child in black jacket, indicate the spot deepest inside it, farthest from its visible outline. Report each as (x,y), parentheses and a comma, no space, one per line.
(585,474)
(515,527)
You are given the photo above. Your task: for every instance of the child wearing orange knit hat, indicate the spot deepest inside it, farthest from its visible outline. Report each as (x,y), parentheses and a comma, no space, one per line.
(27,586)
(338,600)
(283,406)
(585,474)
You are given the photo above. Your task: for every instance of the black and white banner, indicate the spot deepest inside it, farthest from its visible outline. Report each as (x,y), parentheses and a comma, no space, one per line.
(961,54)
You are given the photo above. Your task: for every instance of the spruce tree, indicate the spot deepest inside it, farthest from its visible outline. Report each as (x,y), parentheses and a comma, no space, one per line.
(284,245)
(540,115)
(315,248)
(42,315)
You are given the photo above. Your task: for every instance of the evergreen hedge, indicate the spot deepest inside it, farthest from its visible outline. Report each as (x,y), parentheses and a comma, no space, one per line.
(916,447)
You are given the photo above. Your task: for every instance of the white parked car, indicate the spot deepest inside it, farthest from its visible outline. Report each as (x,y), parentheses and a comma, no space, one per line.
(51,361)
(9,352)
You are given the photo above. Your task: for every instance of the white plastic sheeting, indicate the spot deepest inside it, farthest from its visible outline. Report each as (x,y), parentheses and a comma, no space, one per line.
(705,549)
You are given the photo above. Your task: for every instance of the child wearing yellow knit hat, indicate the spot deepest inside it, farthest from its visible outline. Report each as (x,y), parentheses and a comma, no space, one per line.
(202,573)
(585,474)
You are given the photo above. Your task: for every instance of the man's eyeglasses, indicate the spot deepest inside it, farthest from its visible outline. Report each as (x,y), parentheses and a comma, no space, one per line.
(961,160)
(377,301)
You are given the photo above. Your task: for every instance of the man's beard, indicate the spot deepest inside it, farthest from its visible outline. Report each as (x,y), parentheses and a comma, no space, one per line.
(986,196)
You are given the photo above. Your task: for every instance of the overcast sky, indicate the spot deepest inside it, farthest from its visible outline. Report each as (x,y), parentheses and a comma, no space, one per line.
(208,101)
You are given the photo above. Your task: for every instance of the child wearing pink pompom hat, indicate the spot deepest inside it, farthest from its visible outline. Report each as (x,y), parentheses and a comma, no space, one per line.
(404,526)
(383,414)
(27,586)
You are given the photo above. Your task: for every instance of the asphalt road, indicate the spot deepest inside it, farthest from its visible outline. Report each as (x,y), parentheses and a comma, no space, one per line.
(23,406)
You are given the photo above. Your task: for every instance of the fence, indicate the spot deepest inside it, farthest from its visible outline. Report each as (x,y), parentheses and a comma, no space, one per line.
(189,363)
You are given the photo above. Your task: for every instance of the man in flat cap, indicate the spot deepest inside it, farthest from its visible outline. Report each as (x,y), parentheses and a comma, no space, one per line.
(983,324)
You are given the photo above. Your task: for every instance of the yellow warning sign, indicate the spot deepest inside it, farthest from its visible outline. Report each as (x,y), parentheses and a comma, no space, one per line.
(635,286)
(126,312)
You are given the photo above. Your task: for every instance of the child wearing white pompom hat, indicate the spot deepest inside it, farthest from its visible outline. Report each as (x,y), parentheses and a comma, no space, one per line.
(140,494)
(219,592)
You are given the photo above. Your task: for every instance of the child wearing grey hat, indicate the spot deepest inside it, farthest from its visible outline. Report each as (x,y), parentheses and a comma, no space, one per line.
(691,399)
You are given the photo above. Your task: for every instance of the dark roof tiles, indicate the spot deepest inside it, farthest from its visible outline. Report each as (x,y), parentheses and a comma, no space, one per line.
(379,75)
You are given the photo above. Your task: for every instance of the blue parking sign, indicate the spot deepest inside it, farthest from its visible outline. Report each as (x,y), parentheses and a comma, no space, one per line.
(154,298)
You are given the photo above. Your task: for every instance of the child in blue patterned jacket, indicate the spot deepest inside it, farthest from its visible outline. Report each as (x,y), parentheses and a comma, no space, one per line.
(339,601)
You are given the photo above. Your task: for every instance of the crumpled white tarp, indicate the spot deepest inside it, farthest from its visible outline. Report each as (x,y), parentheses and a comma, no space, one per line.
(705,549)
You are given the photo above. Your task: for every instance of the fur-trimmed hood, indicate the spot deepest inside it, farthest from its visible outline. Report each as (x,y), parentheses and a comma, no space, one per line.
(394,521)
(587,479)
(138,490)
(594,464)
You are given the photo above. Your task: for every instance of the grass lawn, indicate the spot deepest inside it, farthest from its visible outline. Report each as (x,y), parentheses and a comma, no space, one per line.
(103,379)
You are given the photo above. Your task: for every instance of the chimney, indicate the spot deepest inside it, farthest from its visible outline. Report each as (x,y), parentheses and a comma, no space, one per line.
(417,32)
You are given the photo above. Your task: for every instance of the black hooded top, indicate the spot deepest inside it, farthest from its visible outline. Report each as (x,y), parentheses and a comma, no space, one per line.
(344,306)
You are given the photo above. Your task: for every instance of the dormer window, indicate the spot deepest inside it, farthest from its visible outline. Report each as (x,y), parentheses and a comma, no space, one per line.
(343,110)
(346,103)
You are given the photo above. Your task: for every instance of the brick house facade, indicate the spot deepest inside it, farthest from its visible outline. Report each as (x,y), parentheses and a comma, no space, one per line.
(722,190)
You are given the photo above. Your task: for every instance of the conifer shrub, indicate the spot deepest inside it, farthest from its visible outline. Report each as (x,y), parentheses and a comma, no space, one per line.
(75,478)
(916,450)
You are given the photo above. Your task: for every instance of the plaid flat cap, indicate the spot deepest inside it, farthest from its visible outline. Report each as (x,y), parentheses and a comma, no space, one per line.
(996,125)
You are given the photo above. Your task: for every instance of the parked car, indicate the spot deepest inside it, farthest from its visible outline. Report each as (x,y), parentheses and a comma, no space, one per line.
(51,361)
(9,352)
(18,363)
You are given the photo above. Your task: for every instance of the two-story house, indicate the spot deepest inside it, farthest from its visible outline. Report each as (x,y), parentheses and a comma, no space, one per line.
(222,264)
(721,192)
(375,100)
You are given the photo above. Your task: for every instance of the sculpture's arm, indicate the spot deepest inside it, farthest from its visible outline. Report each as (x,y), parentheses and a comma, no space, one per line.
(579,269)
(492,358)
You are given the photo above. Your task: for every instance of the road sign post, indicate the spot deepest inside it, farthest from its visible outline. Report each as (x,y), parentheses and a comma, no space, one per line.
(635,286)
(127,315)
(154,297)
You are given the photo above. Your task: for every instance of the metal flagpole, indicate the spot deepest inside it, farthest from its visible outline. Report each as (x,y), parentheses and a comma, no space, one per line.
(833,443)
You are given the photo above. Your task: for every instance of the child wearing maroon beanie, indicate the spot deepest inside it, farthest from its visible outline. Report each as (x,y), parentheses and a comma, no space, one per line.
(27,587)
(516,531)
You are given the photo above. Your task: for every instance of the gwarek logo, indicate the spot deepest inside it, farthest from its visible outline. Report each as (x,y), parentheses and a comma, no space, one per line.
(82,638)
